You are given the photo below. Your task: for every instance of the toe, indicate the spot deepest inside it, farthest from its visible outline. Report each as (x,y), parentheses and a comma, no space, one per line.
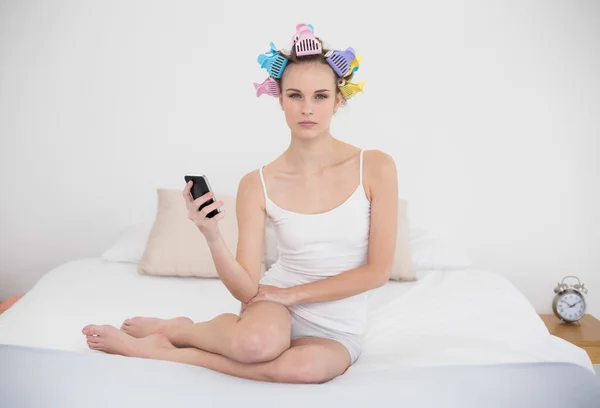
(95,330)
(91,342)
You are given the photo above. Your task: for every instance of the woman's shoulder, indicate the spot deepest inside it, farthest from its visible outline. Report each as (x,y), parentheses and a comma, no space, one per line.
(371,157)
(379,172)
(378,161)
(250,178)
(250,186)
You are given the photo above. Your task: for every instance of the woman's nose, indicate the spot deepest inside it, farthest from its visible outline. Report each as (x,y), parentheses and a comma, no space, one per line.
(307,109)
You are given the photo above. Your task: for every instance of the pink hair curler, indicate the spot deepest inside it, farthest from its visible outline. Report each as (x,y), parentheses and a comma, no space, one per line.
(305,41)
(268,87)
(340,60)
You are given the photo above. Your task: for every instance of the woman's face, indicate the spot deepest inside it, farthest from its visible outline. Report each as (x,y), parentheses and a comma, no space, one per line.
(309,98)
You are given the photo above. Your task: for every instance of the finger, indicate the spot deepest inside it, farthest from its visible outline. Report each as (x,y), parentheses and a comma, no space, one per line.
(219,216)
(211,207)
(202,199)
(187,188)
(187,195)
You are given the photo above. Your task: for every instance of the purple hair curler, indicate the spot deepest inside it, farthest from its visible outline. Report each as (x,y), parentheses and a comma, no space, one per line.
(340,60)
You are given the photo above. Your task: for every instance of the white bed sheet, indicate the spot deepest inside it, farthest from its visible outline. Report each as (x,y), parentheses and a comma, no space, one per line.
(468,317)
(91,290)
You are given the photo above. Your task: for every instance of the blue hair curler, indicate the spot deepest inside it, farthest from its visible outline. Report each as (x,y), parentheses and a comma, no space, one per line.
(273,62)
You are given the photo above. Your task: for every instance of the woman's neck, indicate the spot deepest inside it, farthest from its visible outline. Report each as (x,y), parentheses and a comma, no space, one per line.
(311,156)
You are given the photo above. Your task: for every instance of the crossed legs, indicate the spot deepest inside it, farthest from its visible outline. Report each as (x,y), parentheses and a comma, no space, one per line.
(261,334)
(256,345)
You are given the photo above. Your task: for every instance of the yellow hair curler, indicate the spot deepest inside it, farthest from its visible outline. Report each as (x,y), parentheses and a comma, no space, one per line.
(354,64)
(350,89)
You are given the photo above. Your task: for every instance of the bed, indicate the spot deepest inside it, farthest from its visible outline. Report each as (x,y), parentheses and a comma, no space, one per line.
(463,338)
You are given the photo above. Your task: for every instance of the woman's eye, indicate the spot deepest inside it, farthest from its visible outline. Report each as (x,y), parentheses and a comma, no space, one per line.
(318,96)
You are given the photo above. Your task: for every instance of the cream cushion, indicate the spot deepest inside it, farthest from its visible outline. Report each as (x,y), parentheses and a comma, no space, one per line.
(403,268)
(175,245)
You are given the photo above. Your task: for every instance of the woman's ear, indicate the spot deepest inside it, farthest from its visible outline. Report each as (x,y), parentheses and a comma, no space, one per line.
(281,101)
(339,100)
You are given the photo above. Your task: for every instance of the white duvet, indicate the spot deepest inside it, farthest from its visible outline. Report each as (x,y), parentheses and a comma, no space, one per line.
(462,317)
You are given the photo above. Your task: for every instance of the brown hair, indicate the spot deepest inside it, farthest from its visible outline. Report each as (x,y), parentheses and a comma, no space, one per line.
(295,59)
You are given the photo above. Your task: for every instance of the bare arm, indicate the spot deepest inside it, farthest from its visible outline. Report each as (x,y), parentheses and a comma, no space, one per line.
(242,273)
(239,274)
(380,171)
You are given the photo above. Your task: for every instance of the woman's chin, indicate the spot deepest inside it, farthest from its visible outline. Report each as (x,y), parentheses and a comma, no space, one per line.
(307,132)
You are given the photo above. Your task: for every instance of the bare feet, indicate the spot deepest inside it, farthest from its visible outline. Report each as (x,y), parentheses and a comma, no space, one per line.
(111,340)
(145,326)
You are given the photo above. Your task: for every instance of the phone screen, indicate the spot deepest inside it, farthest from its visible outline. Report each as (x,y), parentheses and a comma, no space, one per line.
(200,187)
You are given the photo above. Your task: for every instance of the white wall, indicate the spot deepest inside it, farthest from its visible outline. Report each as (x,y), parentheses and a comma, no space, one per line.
(491,112)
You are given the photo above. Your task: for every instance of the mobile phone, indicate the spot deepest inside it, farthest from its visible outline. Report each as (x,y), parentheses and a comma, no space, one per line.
(200,187)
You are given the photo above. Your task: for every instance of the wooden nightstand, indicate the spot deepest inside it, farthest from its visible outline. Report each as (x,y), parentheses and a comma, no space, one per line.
(586,335)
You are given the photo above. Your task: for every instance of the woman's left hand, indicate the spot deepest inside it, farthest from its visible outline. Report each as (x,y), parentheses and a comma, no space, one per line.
(269,293)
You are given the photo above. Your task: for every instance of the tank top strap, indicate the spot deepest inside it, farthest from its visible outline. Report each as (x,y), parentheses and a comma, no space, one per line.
(361,166)
(262,180)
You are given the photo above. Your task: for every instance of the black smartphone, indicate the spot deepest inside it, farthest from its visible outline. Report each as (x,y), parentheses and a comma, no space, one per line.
(200,187)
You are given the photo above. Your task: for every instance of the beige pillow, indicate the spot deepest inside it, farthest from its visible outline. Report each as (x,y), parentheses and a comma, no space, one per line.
(176,247)
(403,268)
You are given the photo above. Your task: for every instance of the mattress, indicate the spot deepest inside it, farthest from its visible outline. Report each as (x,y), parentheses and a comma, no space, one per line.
(463,338)
(43,378)
(463,317)
(92,290)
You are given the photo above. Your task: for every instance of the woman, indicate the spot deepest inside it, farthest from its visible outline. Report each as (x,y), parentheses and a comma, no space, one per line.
(334,209)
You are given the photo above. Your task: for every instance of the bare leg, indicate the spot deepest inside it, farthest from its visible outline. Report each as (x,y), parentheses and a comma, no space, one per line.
(262,332)
(139,327)
(103,338)
(308,360)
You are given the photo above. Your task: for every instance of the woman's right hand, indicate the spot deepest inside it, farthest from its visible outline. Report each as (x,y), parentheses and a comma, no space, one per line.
(208,226)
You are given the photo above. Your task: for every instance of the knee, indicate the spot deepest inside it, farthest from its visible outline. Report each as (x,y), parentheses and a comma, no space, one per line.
(253,346)
(300,372)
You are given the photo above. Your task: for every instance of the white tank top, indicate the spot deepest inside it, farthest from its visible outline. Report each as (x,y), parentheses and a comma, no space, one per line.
(315,246)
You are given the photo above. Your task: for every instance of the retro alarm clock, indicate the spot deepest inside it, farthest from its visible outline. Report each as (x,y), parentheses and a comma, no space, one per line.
(569,301)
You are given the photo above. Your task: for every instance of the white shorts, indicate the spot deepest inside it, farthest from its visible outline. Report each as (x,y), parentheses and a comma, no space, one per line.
(305,328)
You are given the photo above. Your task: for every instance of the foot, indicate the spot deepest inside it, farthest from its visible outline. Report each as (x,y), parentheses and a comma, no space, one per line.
(145,326)
(111,340)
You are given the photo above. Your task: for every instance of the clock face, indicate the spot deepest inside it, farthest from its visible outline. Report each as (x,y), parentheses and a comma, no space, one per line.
(570,306)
